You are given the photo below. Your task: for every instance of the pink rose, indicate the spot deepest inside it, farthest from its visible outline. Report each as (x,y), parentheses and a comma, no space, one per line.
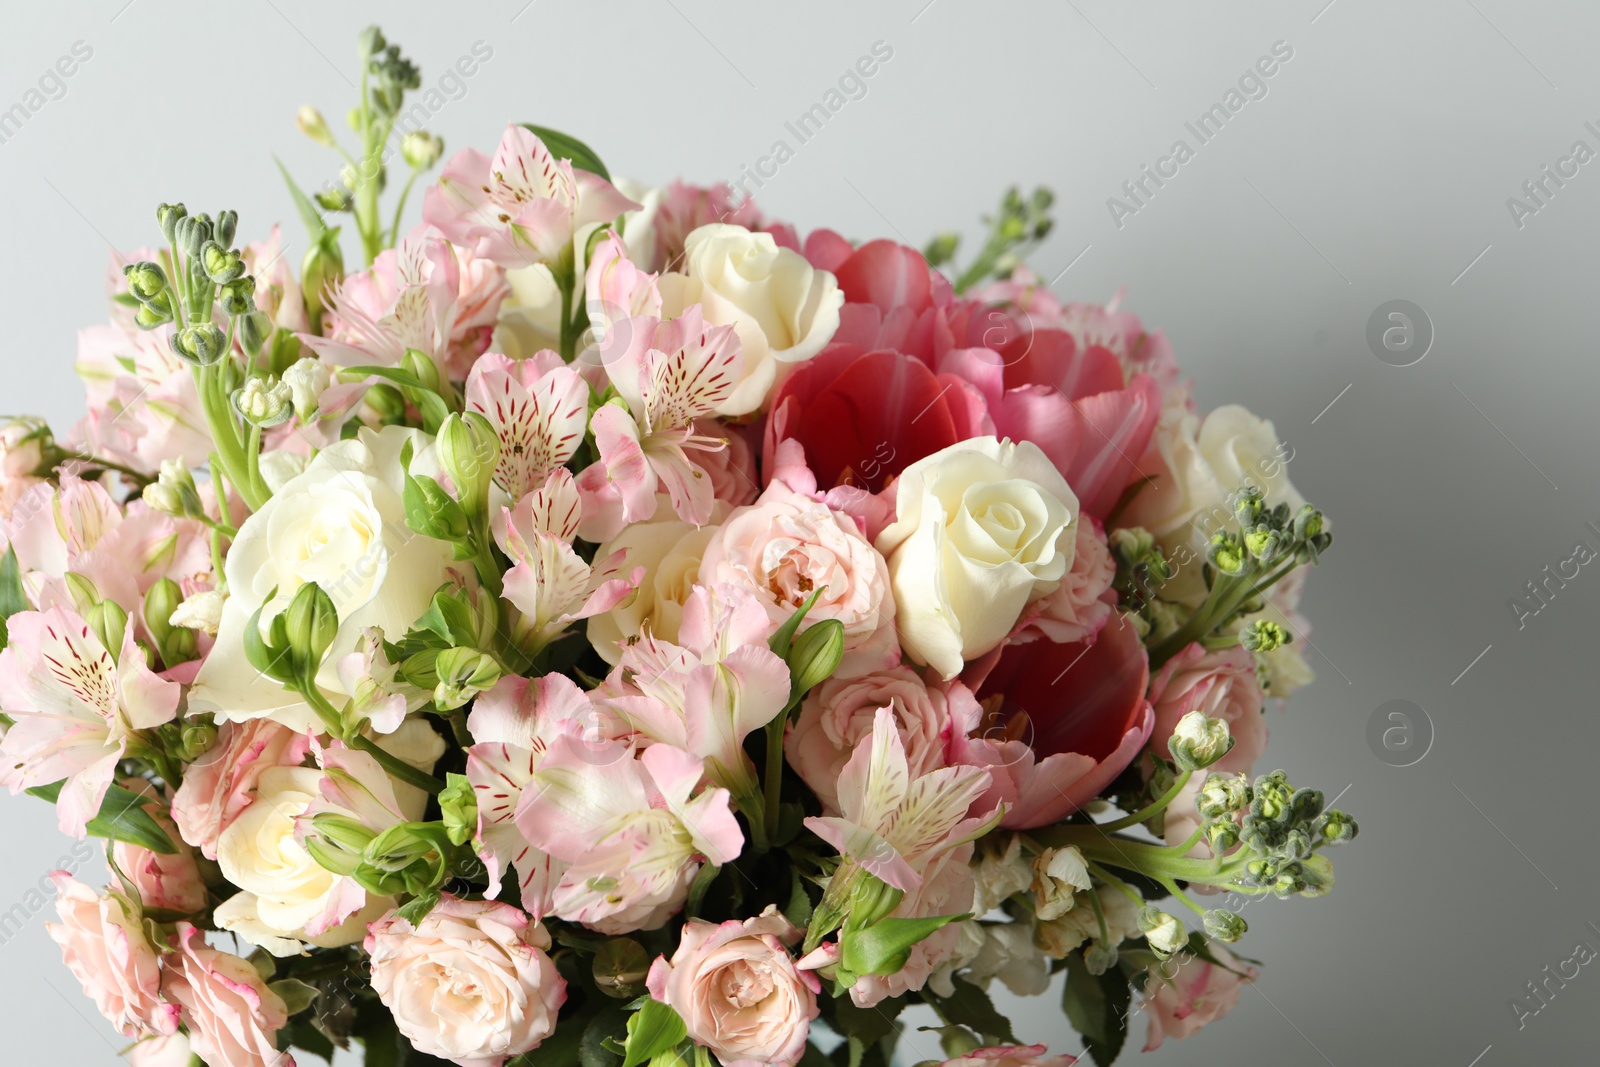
(1076,609)
(165,882)
(231,1014)
(1200,992)
(471,982)
(219,785)
(785,546)
(738,990)
(837,714)
(732,470)
(1010,1056)
(1223,685)
(103,944)
(171,1050)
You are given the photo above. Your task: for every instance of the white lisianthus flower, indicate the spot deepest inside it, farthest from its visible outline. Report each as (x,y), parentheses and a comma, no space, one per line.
(340,523)
(783,309)
(981,528)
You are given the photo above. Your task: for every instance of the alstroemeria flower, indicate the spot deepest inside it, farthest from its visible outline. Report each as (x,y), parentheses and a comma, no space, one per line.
(549,583)
(897,826)
(407,299)
(75,709)
(631,828)
(538,408)
(521,207)
(668,374)
(707,693)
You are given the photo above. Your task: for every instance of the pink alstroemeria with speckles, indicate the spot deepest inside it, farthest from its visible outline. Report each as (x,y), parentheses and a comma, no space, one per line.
(706,694)
(538,408)
(549,583)
(75,708)
(667,374)
(406,300)
(895,825)
(630,826)
(521,207)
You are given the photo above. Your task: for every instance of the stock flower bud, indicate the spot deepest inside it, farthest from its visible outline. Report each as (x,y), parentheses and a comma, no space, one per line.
(1163,931)
(1336,827)
(313,125)
(263,402)
(1099,957)
(1221,835)
(1058,875)
(254,329)
(146,280)
(227,225)
(1307,523)
(174,492)
(1248,505)
(307,378)
(193,231)
(167,216)
(1225,925)
(1263,543)
(1264,635)
(468,451)
(1226,553)
(238,297)
(334,198)
(201,344)
(156,313)
(220,264)
(1223,795)
(1199,741)
(421,149)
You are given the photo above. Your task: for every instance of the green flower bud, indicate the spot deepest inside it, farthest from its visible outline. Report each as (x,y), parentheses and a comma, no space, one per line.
(458,809)
(175,643)
(82,592)
(337,842)
(307,379)
(313,125)
(238,297)
(1223,795)
(1099,957)
(227,226)
(1273,795)
(336,198)
(220,264)
(1248,505)
(263,402)
(167,216)
(254,328)
(1199,741)
(193,233)
(1316,876)
(463,673)
(1264,635)
(146,280)
(421,367)
(370,42)
(942,249)
(322,268)
(1263,543)
(1226,554)
(1164,933)
(1307,523)
(814,656)
(309,627)
(1221,835)
(468,451)
(1336,827)
(421,149)
(1225,925)
(201,344)
(109,622)
(156,313)
(196,737)
(620,967)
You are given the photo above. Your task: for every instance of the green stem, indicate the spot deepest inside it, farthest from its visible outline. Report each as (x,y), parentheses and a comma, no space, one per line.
(400,208)
(1116,883)
(83,457)
(1144,813)
(1156,861)
(352,736)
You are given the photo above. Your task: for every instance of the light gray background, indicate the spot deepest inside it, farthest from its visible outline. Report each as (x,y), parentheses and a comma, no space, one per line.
(1378,167)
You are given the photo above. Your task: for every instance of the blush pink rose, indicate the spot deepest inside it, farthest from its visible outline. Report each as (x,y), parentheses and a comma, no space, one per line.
(103,943)
(170,1050)
(738,990)
(732,470)
(1076,609)
(787,545)
(471,982)
(1010,1056)
(836,715)
(166,882)
(1223,685)
(231,1014)
(1200,992)
(219,785)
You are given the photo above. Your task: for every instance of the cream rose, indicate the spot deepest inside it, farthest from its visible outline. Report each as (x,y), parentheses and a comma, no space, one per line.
(784,309)
(471,982)
(340,524)
(786,546)
(1198,467)
(981,528)
(738,990)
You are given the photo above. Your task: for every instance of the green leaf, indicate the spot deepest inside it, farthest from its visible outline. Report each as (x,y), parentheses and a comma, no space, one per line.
(652,1030)
(308,211)
(430,403)
(865,1026)
(884,947)
(971,1007)
(297,995)
(122,818)
(611,1023)
(566,146)
(304,1035)
(783,636)
(12,596)
(1097,1007)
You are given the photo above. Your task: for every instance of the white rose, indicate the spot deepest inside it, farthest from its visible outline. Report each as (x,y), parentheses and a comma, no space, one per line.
(282,889)
(783,309)
(981,528)
(341,523)
(1199,467)
(530,318)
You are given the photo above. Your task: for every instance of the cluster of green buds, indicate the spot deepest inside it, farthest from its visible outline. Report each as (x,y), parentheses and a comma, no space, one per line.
(1282,829)
(1264,635)
(414,858)
(1142,568)
(1014,231)
(199,270)
(174,644)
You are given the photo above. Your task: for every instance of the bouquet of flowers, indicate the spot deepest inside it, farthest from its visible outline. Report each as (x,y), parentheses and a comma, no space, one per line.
(611,628)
